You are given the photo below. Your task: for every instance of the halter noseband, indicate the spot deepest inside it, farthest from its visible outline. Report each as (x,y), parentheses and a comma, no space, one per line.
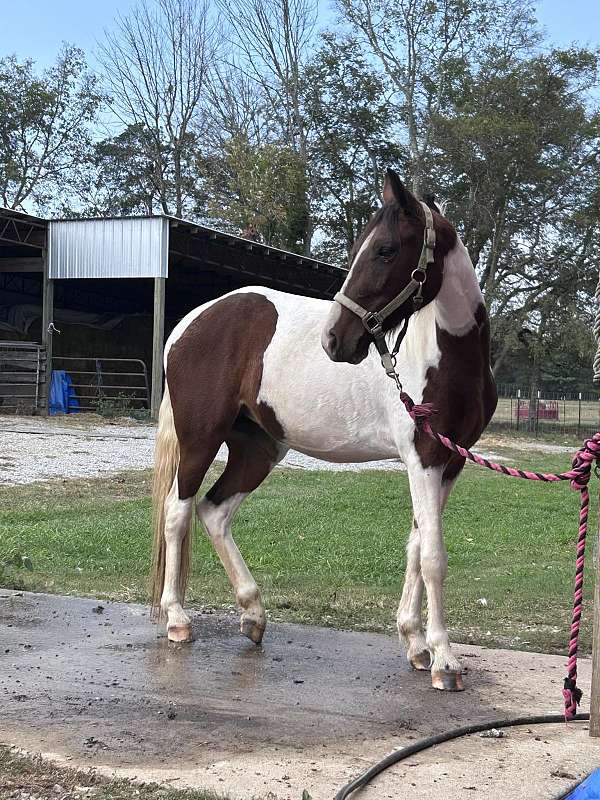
(373,320)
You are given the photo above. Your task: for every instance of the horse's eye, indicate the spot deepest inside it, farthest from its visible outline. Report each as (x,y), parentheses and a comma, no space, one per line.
(386,253)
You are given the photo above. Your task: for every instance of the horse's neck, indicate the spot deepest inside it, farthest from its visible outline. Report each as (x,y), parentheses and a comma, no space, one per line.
(453,310)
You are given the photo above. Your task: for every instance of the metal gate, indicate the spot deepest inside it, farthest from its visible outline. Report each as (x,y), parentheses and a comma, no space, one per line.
(22,377)
(117,385)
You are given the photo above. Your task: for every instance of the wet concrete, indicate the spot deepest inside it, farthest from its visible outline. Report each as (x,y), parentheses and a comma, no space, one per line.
(98,684)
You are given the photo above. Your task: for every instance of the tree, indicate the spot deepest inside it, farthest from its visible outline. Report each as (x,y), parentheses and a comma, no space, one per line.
(272,39)
(45,128)
(156,65)
(124,180)
(420,44)
(518,162)
(260,187)
(351,123)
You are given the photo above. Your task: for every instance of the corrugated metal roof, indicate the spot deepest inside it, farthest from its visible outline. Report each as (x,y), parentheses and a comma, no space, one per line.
(109,248)
(11,213)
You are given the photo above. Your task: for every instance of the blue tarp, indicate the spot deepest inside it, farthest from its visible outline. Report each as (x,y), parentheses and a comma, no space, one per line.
(588,790)
(62,398)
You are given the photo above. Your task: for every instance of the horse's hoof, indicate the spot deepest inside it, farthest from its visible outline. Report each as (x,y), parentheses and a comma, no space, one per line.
(179,633)
(252,629)
(447,681)
(421,661)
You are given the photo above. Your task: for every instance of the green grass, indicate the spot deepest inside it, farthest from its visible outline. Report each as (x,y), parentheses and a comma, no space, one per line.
(326,548)
(32,777)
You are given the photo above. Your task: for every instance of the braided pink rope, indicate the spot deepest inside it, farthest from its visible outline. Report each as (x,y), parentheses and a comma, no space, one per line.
(579,476)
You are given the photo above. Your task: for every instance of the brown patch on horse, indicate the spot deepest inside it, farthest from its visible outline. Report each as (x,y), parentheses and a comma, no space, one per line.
(463,392)
(214,372)
(252,454)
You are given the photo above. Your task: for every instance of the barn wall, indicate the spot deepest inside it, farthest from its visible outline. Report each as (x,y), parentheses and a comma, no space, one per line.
(108,248)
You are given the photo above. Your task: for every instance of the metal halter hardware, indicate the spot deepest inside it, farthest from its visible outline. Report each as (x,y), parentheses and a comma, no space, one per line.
(373,320)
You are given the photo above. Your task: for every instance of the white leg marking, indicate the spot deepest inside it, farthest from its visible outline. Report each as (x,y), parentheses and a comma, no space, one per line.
(410,623)
(428,498)
(178,515)
(217,522)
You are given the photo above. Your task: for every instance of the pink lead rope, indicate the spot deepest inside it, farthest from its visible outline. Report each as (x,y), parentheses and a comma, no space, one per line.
(579,476)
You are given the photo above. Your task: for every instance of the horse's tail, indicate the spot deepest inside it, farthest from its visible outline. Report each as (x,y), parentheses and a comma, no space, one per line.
(166,460)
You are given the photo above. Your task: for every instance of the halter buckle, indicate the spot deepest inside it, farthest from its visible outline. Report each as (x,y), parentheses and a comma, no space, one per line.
(373,323)
(419,275)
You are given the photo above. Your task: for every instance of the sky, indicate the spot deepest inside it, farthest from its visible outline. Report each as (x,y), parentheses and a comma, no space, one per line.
(35,28)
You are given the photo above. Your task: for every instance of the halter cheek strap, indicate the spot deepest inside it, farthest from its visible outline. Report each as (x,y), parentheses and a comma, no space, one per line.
(373,320)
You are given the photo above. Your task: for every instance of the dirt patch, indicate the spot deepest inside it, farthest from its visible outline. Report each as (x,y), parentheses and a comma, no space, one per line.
(308,710)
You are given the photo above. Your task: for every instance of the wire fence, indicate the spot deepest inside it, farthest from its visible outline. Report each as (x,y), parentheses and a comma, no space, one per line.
(538,411)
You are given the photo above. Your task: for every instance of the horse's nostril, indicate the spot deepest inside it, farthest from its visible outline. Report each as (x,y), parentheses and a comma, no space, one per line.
(331,339)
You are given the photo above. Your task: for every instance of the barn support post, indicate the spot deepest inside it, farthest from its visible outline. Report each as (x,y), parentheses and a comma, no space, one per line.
(158,343)
(47,316)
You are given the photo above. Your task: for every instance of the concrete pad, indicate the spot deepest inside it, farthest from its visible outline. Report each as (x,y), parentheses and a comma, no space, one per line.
(310,709)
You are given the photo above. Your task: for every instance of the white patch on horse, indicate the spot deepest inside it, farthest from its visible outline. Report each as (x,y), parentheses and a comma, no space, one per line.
(217,521)
(364,246)
(460,295)
(354,404)
(177,518)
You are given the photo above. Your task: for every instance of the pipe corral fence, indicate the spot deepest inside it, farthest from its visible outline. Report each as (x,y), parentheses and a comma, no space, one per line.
(117,385)
(103,384)
(22,377)
(537,410)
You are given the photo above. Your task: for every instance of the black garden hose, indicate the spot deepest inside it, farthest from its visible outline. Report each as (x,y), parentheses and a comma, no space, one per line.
(430,741)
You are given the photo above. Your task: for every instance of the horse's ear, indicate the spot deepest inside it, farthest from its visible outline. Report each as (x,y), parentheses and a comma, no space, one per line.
(394,191)
(429,199)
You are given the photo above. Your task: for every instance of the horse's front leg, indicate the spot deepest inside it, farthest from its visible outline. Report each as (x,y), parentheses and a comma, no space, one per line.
(409,619)
(427,496)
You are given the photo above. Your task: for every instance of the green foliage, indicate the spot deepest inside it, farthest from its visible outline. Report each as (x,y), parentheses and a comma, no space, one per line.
(263,187)
(45,128)
(289,133)
(12,565)
(132,173)
(351,134)
(121,406)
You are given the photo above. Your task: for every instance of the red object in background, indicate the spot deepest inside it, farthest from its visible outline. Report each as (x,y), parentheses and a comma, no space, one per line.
(547,409)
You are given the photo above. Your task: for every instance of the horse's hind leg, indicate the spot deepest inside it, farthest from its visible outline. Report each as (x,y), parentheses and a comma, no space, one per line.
(178,514)
(177,533)
(252,456)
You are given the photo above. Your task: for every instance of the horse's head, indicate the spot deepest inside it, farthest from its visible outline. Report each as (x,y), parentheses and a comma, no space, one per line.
(383,264)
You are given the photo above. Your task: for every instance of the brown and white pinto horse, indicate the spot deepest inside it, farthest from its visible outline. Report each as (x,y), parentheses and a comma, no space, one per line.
(257,369)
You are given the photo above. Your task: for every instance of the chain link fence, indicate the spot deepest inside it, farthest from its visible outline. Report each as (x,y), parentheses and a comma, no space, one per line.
(536,410)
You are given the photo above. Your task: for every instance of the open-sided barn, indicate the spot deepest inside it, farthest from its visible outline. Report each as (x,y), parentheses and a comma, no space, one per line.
(96,298)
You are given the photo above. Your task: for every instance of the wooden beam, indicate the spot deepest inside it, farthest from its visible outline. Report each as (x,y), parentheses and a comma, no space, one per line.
(595,690)
(158,344)
(16,264)
(47,317)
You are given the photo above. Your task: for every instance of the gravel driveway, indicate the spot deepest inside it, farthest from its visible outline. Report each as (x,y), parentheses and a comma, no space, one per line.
(38,449)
